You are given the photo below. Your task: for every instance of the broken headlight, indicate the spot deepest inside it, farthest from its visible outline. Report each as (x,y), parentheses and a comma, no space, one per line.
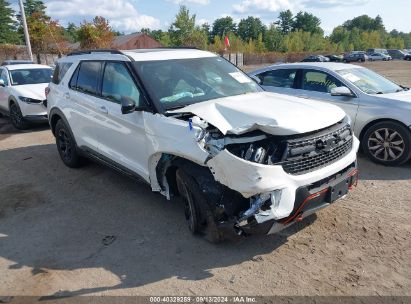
(266,151)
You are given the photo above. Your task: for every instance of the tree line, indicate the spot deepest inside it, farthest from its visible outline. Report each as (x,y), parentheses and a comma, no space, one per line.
(301,32)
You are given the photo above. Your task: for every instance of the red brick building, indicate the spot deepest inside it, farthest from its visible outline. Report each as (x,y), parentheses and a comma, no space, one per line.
(135,41)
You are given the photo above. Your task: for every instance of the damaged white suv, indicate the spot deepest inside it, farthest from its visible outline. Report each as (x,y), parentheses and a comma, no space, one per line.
(190,123)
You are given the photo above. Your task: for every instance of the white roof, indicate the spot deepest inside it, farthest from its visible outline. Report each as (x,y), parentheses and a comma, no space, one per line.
(166,54)
(141,55)
(12,67)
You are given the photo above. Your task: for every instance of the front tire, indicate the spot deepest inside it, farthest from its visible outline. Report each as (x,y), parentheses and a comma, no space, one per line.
(199,216)
(16,117)
(387,143)
(66,146)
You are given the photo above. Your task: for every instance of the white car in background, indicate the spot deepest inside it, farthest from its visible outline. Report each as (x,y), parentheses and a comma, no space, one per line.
(22,93)
(379,108)
(379,56)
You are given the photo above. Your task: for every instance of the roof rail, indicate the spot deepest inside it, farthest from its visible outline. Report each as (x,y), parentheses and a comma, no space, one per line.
(111,51)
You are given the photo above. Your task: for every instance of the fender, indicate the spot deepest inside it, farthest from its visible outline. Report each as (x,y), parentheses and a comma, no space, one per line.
(54,115)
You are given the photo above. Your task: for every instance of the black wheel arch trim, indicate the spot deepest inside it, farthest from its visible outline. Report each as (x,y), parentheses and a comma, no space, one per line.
(54,113)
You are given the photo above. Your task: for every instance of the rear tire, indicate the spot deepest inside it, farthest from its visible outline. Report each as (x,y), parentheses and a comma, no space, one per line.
(66,146)
(199,216)
(387,143)
(16,117)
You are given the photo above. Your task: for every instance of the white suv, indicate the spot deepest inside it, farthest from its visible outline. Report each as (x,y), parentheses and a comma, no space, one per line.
(190,123)
(22,93)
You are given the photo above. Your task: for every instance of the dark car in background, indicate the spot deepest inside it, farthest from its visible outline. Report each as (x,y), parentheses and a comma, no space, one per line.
(397,54)
(316,58)
(407,56)
(355,57)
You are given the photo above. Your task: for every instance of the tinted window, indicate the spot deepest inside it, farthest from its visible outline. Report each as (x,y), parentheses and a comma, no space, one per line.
(118,83)
(319,81)
(88,77)
(283,78)
(3,76)
(60,71)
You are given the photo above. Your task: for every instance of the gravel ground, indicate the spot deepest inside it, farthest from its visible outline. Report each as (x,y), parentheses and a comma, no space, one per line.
(91,231)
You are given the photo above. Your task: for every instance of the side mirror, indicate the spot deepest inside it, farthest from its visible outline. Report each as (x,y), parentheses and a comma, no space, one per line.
(128,105)
(341,91)
(2,84)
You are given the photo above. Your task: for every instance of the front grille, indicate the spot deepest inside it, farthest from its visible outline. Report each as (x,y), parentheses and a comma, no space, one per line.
(309,154)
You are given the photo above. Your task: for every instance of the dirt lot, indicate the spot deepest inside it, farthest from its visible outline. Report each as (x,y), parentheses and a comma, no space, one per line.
(92,231)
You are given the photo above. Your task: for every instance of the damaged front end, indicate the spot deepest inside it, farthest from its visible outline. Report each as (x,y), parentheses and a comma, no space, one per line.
(257,182)
(261,183)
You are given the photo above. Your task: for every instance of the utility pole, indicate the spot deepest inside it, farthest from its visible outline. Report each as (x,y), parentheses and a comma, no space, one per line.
(26,31)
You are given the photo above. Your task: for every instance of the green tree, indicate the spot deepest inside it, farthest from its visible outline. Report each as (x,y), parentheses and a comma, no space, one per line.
(34,6)
(8,33)
(182,27)
(223,26)
(365,23)
(70,32)
(285,22)
(250,28)
(184,32)
(274,39)
(307,22)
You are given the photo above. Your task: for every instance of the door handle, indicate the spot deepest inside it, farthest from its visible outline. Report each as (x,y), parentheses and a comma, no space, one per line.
(103,109)
(66,95)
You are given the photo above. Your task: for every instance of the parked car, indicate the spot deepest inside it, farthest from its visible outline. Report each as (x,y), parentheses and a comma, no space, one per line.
(315,58)
(190,123)
(396,54)
(335,58)
(11,62)
(376,50)
(379,56)
(379,108)
(355,57)
(22,95)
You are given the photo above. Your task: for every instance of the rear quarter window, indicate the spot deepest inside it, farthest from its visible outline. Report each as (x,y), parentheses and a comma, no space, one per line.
(59,72)
(86,77)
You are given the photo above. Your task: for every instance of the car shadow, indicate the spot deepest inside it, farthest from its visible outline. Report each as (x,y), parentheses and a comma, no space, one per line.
(7,129)
(56,218)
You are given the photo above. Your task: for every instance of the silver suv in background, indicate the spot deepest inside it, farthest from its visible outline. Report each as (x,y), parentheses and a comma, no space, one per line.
(191,124)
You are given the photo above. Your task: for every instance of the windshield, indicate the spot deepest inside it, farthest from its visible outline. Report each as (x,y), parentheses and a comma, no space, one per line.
(369,82)
(180,82)
(30,76)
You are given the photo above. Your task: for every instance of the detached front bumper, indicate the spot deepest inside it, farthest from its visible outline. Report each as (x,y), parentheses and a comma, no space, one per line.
(308,200)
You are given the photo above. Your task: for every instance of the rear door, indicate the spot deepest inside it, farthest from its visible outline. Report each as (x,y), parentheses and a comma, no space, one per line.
(85,112)
(121,137)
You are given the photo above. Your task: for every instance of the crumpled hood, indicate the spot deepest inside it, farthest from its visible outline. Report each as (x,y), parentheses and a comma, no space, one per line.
(272,113)
(35,91)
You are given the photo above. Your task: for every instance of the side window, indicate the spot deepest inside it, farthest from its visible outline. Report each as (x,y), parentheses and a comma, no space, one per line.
(59,71)
(319,81)
(283,78)
(4,77)
(118,83)
(86,77)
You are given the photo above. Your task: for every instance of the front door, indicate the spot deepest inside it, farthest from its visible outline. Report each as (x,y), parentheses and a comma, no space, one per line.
(122,137)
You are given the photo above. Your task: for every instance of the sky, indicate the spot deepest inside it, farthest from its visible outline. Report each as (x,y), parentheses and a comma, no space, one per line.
(131,15)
